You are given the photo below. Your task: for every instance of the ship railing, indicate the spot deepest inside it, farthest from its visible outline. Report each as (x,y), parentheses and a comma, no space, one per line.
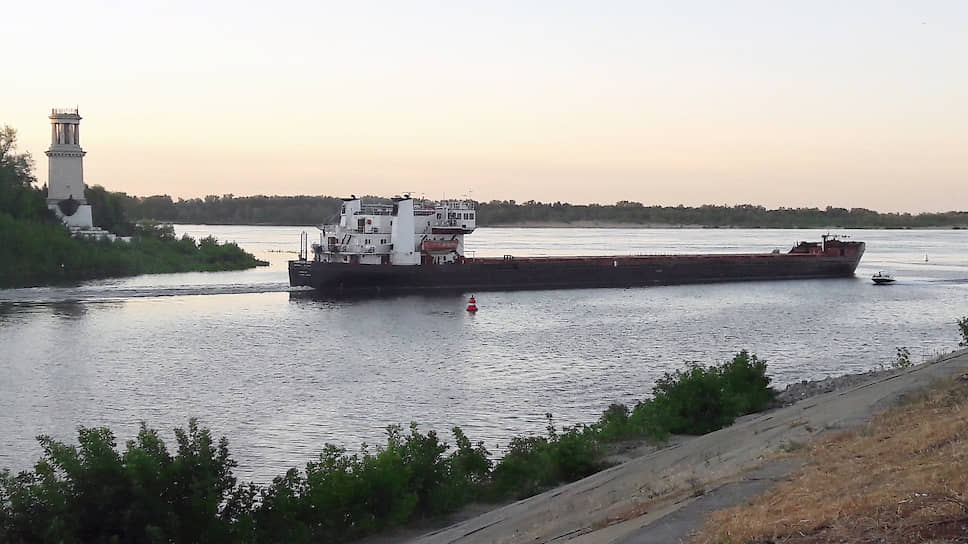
(367,210)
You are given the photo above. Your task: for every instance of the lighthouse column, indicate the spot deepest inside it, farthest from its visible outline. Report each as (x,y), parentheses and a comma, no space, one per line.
(65,173)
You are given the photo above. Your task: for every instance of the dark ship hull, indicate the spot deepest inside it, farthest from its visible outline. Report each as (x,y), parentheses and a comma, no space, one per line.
(808,260)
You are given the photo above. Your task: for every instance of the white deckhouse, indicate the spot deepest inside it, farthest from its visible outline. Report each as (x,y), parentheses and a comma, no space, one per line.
(399,234)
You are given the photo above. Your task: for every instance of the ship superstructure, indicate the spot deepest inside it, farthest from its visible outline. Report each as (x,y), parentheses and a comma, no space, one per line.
(405,233)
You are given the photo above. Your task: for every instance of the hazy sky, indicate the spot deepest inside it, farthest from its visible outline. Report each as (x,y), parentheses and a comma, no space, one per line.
(776,103)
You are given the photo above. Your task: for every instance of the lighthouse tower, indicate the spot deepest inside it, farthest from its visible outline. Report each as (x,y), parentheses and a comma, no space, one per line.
(65,179)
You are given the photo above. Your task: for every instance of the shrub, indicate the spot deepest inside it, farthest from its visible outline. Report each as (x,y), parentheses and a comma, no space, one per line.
(963,329)
(534,463)
(693,401)
(344,497)
(614,423)
(746,383)
(902,359)
(702,399)
(92,493)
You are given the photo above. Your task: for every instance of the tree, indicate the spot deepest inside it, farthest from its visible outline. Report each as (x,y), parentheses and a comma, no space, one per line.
(18,195)
(16,169)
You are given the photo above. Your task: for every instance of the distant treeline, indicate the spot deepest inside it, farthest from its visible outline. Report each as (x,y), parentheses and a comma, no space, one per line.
(314,210)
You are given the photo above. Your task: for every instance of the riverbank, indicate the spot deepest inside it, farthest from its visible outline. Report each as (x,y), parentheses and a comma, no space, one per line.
(621,225)
(42,252)
(664,495)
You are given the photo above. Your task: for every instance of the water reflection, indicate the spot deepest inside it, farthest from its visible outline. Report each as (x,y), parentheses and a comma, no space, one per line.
(309,296)
(68,309)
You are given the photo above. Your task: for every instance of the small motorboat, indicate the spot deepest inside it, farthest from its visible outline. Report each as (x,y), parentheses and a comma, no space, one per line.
(882,278)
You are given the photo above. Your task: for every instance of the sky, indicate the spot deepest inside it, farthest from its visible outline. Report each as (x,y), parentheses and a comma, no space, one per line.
(809,103)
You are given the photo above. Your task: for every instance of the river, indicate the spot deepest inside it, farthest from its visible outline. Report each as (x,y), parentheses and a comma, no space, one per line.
(280,373)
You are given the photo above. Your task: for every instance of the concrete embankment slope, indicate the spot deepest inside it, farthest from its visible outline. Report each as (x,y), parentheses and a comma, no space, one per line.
(662,496)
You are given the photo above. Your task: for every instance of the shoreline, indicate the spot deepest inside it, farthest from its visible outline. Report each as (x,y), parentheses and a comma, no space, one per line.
(661,494)
(607,225)
(677,226)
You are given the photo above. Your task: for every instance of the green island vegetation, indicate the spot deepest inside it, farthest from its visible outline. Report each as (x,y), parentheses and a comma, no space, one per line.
(37,249)
(313,210)
(93,492)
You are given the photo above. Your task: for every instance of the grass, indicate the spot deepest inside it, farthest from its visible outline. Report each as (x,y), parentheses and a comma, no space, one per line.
(901,478)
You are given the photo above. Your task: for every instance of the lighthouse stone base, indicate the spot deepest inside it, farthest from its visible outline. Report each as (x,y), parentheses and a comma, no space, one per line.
(81,224)
(82,218)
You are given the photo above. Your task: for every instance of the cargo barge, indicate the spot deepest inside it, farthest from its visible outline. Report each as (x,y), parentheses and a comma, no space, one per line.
(405,247)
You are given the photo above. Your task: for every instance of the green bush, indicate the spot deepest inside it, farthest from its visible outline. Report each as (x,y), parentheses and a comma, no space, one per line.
(343,496)
(534,463)
(902,359)
(963,329)
(693,401)
(702,399)
(614,423)
(746,383)
(91,493)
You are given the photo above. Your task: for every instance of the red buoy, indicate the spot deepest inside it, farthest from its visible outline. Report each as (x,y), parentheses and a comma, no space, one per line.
(472,305)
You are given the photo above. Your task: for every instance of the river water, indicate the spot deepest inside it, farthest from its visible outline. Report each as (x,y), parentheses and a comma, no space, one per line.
(280,373)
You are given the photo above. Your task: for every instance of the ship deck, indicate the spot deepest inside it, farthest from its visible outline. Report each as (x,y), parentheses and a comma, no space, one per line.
(609,259)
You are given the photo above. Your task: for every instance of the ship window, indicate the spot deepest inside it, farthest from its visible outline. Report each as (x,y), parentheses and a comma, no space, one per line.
(471,215)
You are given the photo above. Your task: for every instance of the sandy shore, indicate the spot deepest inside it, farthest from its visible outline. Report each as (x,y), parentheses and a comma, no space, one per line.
(663,495)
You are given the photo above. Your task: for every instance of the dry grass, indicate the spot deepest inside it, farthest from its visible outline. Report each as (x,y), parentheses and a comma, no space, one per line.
(902,478)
